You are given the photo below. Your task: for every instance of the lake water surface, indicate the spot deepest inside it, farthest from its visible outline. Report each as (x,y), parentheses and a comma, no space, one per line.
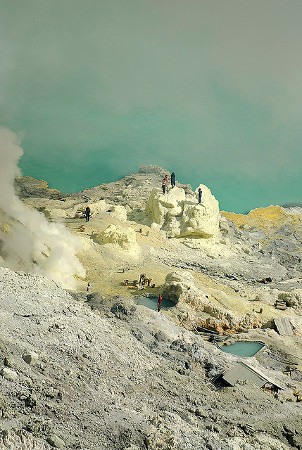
(243,348)
(151,302)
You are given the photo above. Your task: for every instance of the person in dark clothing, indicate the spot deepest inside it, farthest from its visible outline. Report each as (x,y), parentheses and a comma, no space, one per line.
(142,278)
(199,195)
(163,185)
(172,179)
(87,213)
(160,299)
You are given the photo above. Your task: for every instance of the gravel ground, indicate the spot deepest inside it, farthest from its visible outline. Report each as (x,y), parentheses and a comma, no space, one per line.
(121,377)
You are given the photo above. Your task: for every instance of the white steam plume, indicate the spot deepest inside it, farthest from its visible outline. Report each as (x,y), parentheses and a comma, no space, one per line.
(32,244)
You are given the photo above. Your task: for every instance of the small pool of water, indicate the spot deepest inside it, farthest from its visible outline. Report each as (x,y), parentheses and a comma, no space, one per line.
(243,348)
(151,302)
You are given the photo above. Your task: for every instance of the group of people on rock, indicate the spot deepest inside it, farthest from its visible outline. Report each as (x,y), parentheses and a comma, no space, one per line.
(164,185)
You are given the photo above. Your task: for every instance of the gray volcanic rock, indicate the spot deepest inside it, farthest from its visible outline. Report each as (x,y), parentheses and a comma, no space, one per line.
(103,382)
(9,374)
(30,357)
(86,370)
(21,439)
(278,232)
(30,187)
(130,190)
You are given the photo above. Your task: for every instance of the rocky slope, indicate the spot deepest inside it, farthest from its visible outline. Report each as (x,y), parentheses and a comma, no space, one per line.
(122,377)
(279,232)
(104,372)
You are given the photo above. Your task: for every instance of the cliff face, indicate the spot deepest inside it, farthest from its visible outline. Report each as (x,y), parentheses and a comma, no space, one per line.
(30,187)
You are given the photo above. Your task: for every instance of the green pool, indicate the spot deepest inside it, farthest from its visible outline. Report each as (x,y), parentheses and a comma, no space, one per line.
(243,348)
(151,302)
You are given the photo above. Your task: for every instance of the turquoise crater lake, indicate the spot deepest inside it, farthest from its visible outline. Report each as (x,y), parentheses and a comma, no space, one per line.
(243,348)
(151,302)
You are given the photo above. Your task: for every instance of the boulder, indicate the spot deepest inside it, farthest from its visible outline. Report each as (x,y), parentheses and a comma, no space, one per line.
(269,296)
(123,237)
(180,215)
(55,441)
(293,298)
(9,374)
(179,287)
(200,307)
(8,362)
(161,206)
(30,357)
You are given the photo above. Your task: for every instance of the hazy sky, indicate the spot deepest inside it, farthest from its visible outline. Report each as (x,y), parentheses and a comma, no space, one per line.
(211,89)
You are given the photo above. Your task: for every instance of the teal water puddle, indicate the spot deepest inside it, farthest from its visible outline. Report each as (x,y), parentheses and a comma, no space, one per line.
(243,348)
(151,302)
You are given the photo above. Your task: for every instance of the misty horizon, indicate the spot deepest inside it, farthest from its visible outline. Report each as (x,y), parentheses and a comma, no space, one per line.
(209,90)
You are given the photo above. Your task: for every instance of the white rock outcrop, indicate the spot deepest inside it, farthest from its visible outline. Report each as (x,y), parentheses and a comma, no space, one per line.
(179,287)
(122,237)
(180,215)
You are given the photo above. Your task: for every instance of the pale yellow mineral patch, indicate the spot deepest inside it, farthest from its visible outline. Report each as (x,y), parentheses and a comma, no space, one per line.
(264,218)
(119,236)
(180,215)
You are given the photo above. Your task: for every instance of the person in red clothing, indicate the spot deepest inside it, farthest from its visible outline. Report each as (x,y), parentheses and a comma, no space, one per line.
(166,182)
(160,299)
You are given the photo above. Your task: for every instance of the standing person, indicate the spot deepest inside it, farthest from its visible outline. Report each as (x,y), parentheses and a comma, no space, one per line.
(163,185)
(87,213)
(172,179)
(166,182)
(142,278)
(160,299)
(199,195)
(88,288)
